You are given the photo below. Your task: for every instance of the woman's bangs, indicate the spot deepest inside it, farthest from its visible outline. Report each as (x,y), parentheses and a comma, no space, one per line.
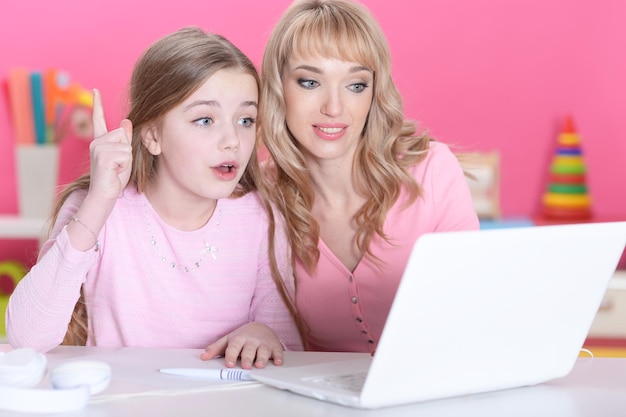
(333,41)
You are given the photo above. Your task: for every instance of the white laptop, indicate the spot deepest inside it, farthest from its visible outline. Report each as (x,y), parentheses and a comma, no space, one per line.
(476,312)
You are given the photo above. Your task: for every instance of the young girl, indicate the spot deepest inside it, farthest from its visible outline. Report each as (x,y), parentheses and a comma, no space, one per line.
(358,185)
(167,239)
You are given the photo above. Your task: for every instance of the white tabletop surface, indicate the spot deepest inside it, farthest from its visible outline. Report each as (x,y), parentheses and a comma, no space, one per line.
(596,387)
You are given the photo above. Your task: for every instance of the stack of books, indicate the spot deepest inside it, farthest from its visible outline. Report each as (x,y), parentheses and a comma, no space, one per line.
(46,105)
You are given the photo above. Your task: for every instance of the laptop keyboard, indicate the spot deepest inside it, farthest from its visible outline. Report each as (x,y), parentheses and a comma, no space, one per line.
(350,382)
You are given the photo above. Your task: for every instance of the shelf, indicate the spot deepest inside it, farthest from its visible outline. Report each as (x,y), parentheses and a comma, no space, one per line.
(619,280)
(609,321)
(16,227)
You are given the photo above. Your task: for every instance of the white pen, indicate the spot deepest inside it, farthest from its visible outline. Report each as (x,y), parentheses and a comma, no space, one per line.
(224,374)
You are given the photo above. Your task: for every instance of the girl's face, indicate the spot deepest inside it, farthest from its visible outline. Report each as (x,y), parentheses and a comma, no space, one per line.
(327,102)
(205,142)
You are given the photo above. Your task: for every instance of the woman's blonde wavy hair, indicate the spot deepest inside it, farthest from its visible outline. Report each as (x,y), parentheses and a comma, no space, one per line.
(344,30)
(168,72)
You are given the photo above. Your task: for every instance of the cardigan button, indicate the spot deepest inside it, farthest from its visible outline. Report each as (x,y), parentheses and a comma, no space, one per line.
(355,300)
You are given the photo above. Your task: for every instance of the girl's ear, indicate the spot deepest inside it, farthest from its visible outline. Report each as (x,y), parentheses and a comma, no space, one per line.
(150,139)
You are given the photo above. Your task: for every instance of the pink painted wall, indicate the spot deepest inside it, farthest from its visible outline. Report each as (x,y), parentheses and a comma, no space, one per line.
(484,75)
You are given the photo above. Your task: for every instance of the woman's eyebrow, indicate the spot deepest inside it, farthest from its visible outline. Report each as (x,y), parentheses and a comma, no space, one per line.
(357,68)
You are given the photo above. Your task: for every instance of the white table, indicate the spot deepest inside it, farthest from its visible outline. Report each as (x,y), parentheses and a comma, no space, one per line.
(596,387)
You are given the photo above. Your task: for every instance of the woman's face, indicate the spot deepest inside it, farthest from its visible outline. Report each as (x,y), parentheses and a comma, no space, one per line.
(327,102)
(205,142)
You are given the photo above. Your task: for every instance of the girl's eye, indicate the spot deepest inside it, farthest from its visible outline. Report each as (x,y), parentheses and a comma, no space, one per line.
(358,87)
(247,121)
(204,121)
(308,84)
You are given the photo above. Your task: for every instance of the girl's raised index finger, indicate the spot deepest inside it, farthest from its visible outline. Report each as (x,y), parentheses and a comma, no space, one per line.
(99,123)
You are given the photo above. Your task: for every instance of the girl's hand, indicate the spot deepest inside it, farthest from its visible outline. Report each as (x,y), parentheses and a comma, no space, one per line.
(254,343)
(111,155)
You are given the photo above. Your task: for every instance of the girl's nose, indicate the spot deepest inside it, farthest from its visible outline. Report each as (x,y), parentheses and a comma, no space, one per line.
(230,138)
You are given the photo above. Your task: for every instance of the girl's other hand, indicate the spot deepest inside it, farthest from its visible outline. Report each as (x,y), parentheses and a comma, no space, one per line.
(254,343)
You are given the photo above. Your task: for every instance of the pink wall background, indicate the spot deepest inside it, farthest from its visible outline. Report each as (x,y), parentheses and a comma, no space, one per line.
(483,75)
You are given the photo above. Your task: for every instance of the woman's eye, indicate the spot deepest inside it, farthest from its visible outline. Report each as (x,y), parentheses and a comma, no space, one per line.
(358,87)
(247,121)
(204,121)
(309,84)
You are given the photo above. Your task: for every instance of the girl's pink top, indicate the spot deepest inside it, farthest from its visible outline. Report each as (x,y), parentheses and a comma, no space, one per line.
(346,311)
(137,290)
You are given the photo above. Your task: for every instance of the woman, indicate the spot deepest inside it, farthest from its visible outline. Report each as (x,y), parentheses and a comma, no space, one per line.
(357,184)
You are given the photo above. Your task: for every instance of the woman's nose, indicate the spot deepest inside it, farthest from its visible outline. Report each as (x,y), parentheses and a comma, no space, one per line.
(332,105)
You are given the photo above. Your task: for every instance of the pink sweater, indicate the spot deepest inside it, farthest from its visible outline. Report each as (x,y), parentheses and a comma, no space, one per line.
(346,311)
(135,297)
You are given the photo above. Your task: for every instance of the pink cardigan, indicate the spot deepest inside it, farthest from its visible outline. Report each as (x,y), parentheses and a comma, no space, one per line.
(346,311)
(136,298)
